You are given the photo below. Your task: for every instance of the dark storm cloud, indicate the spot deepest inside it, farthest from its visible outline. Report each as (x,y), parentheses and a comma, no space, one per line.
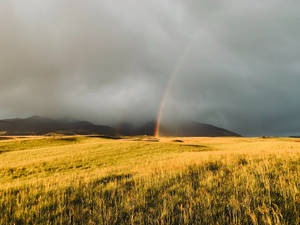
(109,61)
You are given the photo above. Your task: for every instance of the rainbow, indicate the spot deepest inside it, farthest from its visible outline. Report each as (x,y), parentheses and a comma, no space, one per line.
(172,76)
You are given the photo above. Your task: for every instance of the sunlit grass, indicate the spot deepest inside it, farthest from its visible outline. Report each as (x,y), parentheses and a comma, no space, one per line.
(84,180)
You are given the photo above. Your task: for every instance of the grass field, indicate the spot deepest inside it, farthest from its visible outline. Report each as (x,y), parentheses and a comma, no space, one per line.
(93,180)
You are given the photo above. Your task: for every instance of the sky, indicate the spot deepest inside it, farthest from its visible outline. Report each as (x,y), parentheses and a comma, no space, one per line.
(110,61)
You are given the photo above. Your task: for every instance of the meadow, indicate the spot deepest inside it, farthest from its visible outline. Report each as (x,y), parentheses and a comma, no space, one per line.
(137,180)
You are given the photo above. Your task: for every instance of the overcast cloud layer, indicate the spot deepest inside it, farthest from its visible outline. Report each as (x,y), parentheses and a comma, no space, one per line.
(109,61)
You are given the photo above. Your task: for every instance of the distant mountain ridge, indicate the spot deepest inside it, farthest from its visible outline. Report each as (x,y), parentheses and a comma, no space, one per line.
(194,129)
(41,126)
(184,129)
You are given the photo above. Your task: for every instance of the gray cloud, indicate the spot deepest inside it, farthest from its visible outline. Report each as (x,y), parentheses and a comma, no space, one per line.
(109,61)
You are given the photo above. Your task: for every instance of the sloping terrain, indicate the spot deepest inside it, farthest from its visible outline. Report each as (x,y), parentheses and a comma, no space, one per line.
(39,126)
(184,129)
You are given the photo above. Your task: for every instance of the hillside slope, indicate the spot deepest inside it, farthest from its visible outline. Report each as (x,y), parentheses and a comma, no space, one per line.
(39,126)
(185,129)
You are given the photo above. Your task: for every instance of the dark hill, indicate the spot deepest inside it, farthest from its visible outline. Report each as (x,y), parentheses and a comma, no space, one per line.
(39,126)
(186,129)
(194,129)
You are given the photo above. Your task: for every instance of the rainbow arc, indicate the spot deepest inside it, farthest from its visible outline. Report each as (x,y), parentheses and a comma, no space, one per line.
(171,79)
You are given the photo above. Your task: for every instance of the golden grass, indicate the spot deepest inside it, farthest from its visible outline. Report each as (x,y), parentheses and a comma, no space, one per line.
(90,180)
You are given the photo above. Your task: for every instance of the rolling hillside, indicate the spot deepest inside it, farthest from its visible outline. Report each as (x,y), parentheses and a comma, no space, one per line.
(40,126)
(184,129)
